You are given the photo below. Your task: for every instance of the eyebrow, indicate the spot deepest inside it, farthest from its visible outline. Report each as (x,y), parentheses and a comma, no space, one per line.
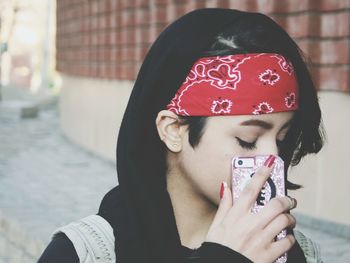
(263,124)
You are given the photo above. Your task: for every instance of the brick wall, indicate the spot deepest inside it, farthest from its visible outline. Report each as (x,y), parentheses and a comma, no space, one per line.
(109,38)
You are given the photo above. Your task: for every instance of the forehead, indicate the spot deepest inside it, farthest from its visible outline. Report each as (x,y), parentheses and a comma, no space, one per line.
(277,119)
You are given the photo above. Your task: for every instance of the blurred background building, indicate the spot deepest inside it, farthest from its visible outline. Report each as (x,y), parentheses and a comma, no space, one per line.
(27,37)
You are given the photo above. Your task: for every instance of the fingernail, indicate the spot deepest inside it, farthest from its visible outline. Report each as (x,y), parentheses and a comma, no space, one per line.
(291,201)
(272,161)
(268,160)
(222,190)
(295,202)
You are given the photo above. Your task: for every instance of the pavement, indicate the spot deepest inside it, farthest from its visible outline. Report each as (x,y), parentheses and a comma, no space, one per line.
(47,181)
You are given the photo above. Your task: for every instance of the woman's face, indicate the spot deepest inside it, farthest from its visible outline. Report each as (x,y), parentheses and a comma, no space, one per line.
(209,163)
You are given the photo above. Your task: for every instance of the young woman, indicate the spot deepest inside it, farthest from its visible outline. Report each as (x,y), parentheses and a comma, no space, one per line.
(215,84)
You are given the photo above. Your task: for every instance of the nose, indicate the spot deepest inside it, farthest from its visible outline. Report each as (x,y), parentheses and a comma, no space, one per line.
(269,146)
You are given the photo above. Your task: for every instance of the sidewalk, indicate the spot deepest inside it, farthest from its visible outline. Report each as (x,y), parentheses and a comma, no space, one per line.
(46,181)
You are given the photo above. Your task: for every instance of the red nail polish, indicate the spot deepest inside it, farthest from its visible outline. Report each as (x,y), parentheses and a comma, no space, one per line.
(222,190)
(272,161)
(266,163)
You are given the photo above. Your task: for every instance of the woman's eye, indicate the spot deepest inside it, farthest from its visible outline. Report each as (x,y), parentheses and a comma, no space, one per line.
(246,145)
(252,145)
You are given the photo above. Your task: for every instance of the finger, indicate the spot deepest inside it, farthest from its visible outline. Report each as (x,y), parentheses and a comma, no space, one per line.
(281,246)
(281,222)
(224,205)
(253,188)
(275,207)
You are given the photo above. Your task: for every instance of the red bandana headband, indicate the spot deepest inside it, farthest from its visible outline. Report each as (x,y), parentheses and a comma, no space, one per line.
(242,84)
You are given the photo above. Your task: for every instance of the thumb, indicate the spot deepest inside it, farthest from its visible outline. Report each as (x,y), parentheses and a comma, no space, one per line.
(224,205)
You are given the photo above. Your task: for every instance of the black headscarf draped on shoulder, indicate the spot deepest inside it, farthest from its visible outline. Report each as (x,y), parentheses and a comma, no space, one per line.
(140,209)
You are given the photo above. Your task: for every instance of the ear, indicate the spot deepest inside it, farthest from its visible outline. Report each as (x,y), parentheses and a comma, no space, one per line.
(170,130)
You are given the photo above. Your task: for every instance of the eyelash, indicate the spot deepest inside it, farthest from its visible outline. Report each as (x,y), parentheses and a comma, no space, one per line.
(252,145)
(246,145)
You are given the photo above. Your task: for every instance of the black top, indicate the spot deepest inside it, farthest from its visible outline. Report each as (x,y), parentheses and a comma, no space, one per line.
(61,250)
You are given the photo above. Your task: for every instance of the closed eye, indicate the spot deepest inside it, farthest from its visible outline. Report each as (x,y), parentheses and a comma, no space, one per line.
(252,145)
(246,145)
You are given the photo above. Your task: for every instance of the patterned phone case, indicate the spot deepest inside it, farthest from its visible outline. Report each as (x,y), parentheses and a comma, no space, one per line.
(273,187)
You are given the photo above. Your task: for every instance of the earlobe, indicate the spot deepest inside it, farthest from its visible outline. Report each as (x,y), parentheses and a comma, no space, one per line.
(169,130)
(174,147)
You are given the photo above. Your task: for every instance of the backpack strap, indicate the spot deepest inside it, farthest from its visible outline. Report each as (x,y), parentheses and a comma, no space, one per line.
(310,248)
(92,238)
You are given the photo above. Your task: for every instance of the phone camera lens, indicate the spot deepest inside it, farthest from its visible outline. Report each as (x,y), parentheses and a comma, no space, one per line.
(240,162)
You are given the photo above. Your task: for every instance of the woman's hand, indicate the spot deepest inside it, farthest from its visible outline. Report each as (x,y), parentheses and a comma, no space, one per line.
(252,235)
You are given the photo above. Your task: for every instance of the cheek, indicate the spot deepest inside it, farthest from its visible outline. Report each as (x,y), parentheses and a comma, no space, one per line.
(207,166)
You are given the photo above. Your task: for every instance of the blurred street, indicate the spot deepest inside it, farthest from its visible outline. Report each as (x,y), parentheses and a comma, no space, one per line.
(46,181)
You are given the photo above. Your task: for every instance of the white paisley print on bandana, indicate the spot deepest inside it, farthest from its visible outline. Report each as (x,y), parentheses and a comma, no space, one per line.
(285,65)
(221,106)
(223,76)
(269,77)
(290,100)
(232,84)
(262,108)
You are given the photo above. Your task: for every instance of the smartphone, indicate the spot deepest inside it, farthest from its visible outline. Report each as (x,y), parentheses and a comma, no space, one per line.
(244,168)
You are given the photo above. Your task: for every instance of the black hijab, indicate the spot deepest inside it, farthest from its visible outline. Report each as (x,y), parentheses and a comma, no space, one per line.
(140,209)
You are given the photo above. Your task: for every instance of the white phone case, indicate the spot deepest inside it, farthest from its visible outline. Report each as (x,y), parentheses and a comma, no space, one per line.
(244,168)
